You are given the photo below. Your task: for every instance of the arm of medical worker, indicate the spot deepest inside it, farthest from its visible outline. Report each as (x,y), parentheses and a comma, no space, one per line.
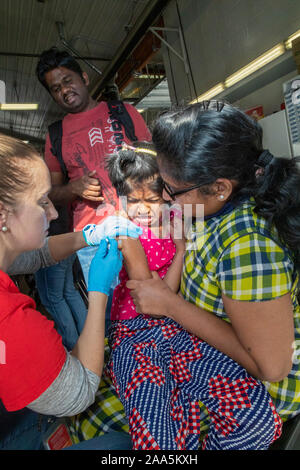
(59,247)
(76,385)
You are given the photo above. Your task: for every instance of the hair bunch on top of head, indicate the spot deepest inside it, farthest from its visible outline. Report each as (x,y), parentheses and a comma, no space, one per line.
(132,166)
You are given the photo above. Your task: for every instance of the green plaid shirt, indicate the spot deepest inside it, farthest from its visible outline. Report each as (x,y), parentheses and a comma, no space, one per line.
(235,253)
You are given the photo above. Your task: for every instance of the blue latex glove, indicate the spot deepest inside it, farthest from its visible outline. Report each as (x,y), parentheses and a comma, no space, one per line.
(112,226)
(105,266)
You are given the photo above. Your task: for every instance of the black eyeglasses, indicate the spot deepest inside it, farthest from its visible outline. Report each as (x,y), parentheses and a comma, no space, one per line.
(173,194)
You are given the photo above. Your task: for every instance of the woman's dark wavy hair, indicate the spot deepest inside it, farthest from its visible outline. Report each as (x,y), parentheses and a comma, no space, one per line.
(131,168)
(53,58)
(200,143)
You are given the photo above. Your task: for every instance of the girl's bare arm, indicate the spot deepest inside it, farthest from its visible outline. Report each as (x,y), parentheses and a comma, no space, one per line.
(135,260)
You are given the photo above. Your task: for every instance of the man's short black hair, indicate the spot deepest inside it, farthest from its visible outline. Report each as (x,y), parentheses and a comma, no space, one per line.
(53,58)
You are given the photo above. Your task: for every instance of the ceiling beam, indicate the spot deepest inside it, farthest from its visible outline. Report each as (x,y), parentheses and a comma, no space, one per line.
(21,54)
(139,58)
(149,16)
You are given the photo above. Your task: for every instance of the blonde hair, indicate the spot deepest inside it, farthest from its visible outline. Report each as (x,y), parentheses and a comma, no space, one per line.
(15,173)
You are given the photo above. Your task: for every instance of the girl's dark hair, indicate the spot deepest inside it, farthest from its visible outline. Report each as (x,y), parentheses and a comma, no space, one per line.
(53,58)
(15,176)
(203,142)
(132,167)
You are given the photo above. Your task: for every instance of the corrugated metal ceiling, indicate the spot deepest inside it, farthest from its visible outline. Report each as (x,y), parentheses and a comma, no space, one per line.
(95,28)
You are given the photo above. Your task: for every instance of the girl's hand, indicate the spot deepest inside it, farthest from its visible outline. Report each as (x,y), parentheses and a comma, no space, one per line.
(152,296)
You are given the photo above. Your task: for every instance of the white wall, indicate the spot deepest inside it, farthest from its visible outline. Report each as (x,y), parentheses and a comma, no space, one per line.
(276,134)
(221,37)
(270,96)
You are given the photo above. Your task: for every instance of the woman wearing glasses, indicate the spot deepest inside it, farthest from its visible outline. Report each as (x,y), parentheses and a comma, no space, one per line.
(240,276)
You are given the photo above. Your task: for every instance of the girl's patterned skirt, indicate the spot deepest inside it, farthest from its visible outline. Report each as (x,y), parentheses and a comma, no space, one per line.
(165,378)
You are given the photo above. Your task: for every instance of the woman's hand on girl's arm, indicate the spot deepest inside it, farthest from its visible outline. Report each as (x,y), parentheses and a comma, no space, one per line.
(152,296)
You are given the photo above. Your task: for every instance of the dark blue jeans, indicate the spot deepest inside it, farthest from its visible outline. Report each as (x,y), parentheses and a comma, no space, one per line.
(62,300)
(25,431)
(113,440)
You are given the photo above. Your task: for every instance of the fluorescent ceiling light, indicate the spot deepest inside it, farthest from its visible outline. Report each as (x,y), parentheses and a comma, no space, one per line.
(255,65)
(18,106)
(290,39)
(252,67)
(210,93)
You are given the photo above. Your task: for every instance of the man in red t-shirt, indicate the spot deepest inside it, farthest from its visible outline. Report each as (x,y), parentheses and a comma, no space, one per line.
(90,133)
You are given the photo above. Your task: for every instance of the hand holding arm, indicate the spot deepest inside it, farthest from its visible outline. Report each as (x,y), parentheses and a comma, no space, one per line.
(112,226)
(86,187)
(105,266)
(152,296)
(62,246)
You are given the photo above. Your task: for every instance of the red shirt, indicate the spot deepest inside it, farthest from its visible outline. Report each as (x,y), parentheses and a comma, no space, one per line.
(88,138)
(32,354)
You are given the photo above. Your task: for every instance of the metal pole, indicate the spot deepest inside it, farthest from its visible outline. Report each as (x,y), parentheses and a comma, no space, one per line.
(60,28)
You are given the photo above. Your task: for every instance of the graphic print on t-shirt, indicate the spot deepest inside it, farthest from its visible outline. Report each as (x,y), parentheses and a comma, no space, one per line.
(95,136)
(91,157)
(88,139)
